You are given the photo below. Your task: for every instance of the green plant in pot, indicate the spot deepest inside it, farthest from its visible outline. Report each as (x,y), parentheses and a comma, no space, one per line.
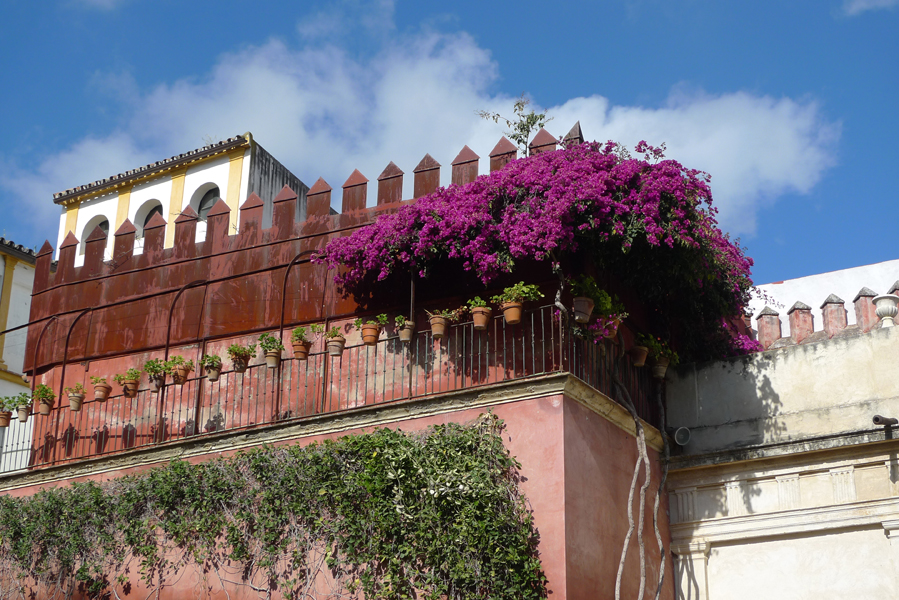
(45,398)
(212,365)
(241,355)
(129,381)
(440,320)
(371,328)
(299,339)
(101,388)
(660,352)
(179,368)
(7,405)
(23,406)
(272,347)
(155,369)
(404,328)
(512,299)
(76,397)
(480,313)
(334,341)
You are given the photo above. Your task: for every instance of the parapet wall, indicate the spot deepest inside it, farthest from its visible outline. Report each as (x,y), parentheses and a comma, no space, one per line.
(235,282)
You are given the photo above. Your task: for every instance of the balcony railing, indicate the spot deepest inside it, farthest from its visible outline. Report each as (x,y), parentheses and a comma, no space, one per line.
(362,376)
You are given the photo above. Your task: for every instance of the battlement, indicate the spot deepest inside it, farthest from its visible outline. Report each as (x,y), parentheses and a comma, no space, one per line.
(802,321)
(235,274)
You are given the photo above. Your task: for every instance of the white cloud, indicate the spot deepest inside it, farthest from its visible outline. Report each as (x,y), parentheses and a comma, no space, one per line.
(324,112)
(855,7)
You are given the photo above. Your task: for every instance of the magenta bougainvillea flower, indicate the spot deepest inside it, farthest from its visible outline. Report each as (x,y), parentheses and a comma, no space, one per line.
(545,206)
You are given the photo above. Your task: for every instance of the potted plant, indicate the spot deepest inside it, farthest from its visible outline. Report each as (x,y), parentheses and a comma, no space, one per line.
(405,329)
(45,398)
(212,364)
(661,354)
(585,290)
(101,388)
(7,404)
(334,341)
(76,397)
(240,356)
(23,406)
(371,329)
(155,370)
(179,368)
(128,380)
(301,344)
(439,320)
(272,347)
(513,298)
(480,313)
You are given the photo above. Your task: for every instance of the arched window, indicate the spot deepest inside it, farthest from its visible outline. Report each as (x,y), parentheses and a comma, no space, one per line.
(100,221)
(144,214)
(207,202)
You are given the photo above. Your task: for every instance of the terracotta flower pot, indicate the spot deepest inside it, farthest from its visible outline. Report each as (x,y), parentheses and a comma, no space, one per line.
(240,364)
(45,406)
(180,373)
(638,355)
(157,381)
(583,308)
(406,332)
(335,345)
(273,359)
(101,391)
(512,312)
(129,388)
(481,317)
(370,334)
(4,418)
(438,326)
(301,350)
(23,411)
(660,367)
(213,373)
(75,401)
(613,329)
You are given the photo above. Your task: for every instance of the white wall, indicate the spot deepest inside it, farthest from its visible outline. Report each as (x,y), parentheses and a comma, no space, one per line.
(195,184)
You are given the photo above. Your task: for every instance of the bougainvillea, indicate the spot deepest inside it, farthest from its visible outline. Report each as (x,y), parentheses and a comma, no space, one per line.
(651,220)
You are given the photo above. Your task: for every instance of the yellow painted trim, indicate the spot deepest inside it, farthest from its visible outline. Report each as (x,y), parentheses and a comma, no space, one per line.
(124,205)
(13,378)
(71,219)
(235,173)
(9,268)
(177,198)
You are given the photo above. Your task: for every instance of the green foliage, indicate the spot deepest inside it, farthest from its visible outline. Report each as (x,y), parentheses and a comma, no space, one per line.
(379,320)
(269,343)
(155,367)
(240,352)
(211,361)
(299,335)
(332,333)
(392,515)
(658,348)
(400,321)
(177,361)
(131,374)
(44,393)
(449,315)
(75,389)
(477,302)
(522,125)
(520,292)
(97,380)
(604,304)
(11,403)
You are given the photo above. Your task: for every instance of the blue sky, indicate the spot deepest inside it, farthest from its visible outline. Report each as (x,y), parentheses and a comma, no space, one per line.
(791,106)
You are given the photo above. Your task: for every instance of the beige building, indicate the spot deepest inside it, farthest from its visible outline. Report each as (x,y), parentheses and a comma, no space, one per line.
(16,281)
(786,487)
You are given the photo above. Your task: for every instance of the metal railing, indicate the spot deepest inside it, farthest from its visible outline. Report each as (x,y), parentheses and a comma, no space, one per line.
(362,376)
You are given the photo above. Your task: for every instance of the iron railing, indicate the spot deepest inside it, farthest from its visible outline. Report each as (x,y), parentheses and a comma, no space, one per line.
(362,376)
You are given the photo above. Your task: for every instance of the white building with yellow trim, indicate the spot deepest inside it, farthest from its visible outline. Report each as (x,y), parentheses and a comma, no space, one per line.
(231,170)
(16,282)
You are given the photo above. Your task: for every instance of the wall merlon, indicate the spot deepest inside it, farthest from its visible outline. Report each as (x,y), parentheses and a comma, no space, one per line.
(465,166)
(427,176)
(544,141)
(390,184)
(502,154)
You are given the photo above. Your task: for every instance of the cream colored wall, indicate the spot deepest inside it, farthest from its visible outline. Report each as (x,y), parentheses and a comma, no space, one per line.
(790,394)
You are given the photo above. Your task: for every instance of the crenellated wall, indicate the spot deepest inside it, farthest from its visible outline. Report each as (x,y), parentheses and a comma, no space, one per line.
(121,306)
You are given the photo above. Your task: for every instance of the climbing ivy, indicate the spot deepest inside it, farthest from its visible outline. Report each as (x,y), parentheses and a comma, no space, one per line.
(387,514)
